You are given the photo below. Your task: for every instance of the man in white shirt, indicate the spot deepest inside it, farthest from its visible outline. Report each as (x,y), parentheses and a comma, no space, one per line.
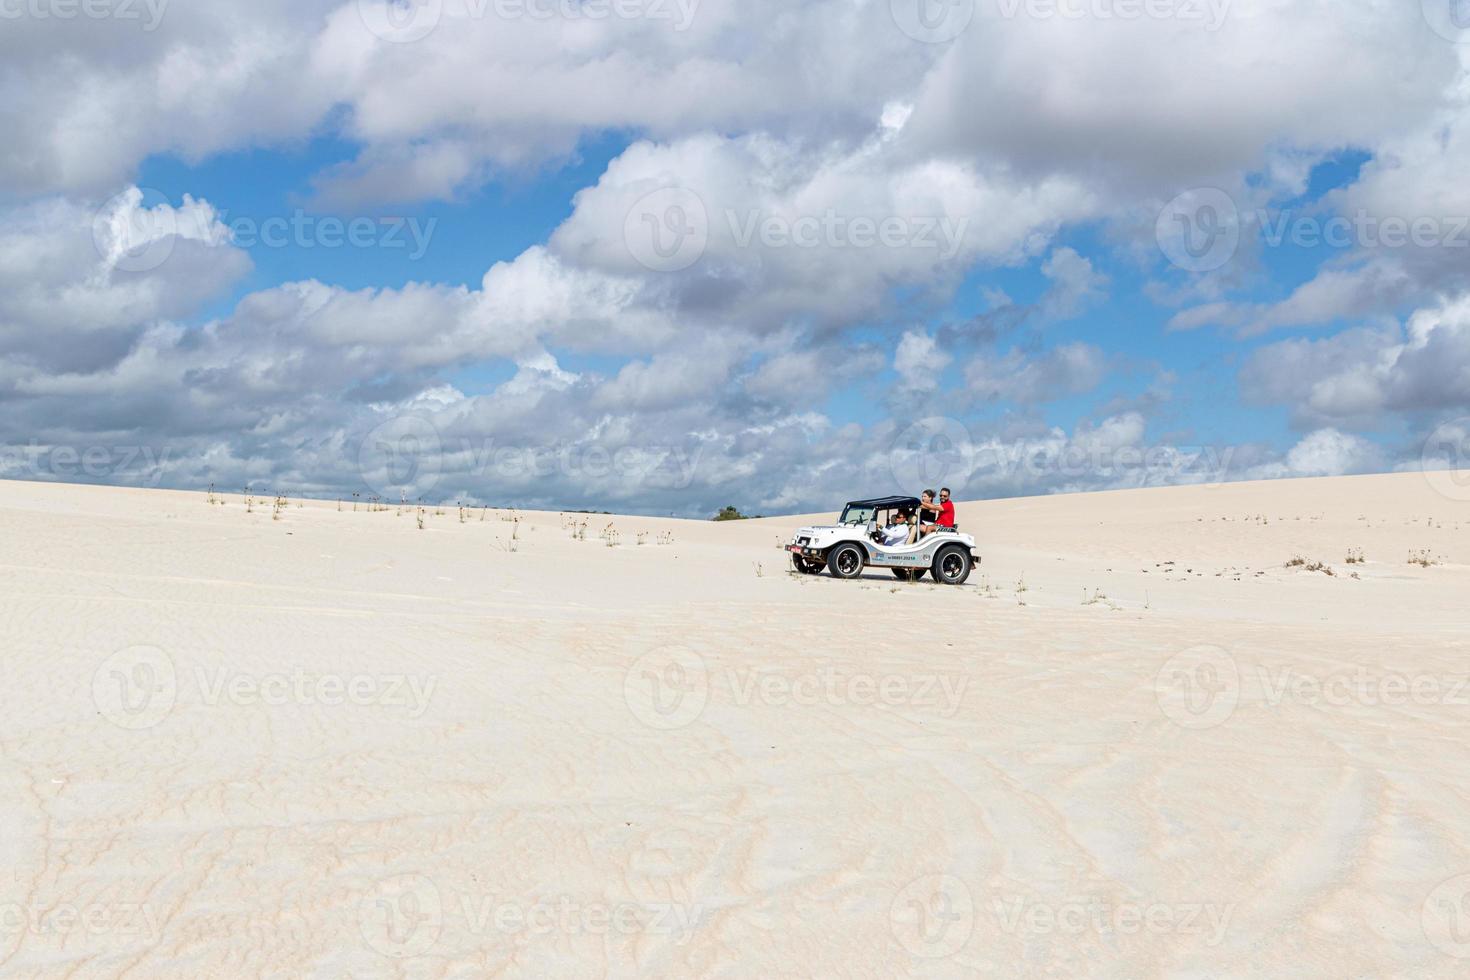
(899,532)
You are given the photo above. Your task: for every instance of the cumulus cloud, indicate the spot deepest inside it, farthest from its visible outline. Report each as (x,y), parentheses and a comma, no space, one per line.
(80,282)
(1268,75)
(1076,285)
(1358,376)
(1069,369)
(1328,452)
(752,231)
(86,99)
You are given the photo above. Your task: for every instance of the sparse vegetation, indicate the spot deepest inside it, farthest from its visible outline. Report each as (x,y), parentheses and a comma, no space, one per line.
(1311,566)
(1355,557)
(1424,558)
(732,514)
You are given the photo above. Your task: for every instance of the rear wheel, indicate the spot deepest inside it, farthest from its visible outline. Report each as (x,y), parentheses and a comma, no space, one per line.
(806,566)
(952,565)
(909,574)
(846,561)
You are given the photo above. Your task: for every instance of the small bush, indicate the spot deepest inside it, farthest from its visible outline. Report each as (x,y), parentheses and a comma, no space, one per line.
(1311,566)
(1424,559)
(732,514)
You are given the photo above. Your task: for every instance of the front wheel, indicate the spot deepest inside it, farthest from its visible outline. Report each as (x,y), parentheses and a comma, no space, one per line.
(806,566)
(952,565)
(846,561)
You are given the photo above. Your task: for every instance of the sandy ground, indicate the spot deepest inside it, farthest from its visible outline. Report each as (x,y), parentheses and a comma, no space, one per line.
(1136,744)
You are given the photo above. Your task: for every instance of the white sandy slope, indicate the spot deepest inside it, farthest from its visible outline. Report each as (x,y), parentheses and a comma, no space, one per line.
(335,745)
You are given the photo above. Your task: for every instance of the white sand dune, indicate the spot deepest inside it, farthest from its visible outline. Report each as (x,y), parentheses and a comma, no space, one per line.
(1136,744)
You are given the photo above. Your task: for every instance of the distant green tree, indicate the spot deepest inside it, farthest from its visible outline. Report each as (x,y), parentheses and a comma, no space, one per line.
(731,514)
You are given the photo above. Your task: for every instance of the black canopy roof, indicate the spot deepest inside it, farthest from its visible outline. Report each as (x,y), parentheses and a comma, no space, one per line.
(882,502)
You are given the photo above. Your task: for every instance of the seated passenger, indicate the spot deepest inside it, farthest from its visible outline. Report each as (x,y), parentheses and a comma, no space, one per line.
(946,509)
(929,513)
(899,531)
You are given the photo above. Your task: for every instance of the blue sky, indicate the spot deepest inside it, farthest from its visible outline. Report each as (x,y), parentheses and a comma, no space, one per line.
(504,173)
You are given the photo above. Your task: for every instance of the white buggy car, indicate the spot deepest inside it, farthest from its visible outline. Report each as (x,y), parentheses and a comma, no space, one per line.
(857,542)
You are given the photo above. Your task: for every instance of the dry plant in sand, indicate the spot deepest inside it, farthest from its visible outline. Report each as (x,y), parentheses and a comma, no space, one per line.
(1311,566)
(1424,559)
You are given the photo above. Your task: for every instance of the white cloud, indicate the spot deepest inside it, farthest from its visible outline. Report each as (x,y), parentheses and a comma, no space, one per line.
(1075,284)
(1328,452)
(1359,376)
(1069,369)
(79,283)
(1110,98)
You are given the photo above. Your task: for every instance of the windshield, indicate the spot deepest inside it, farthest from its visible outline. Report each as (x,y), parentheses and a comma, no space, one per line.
(856,515)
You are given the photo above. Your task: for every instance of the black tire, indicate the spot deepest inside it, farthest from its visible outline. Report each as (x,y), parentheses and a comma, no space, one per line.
(807,566)
(909,574)
(952,565)
(846,560)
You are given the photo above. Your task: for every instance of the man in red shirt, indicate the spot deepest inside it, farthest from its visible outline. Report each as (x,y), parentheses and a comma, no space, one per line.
(946,509)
